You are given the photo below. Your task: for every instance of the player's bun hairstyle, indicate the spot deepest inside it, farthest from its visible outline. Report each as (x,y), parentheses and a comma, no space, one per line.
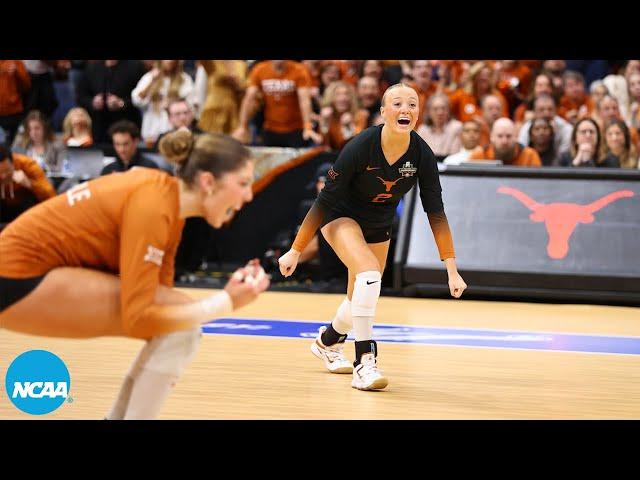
(177,146)
(209,152)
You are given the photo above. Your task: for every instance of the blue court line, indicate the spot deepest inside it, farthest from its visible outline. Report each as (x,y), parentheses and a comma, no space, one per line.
(564,342)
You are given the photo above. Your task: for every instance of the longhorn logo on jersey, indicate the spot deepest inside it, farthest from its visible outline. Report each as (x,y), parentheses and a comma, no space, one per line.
(388,185)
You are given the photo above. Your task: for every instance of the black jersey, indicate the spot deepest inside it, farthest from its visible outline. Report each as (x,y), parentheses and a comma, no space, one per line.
(362,185)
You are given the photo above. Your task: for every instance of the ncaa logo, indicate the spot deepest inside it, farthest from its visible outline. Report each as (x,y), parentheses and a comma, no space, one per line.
(37,382)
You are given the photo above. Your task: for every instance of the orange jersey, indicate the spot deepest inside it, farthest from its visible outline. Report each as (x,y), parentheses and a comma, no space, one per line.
(455,70)
(517,78)
(525,157)
(15,194)
(465,106)
(485,132)
(348,73)
(280,92)
(335,139)
(567,104)
(13,86)
(126,223)
(520,112)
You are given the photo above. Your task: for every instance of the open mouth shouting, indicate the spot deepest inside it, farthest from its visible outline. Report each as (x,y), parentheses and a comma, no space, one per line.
(404,121)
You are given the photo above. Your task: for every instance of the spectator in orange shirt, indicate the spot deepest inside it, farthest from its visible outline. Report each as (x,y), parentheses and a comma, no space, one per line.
(340,118)
(349,71)
(541,84)
(375,69)
(465,102)
(491,111)
(14,83)
(329,73)
(369,97)
(512,80)
(23,184)
(284,86)
(556,69)
(421,73)
(113,240)
(504,147)
(450,72)
(575,104)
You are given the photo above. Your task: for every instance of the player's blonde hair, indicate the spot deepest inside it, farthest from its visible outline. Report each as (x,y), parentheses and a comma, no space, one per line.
(396,85)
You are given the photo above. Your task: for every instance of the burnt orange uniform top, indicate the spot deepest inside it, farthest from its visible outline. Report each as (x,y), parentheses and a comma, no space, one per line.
(126,223)
(525,156)
(280,92)
(14,194)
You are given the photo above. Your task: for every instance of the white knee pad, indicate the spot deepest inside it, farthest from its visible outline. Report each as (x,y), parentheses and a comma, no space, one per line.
(171,354)
(366,292)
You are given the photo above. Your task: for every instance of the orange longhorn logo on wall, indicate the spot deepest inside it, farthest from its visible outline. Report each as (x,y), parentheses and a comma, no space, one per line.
(561,218)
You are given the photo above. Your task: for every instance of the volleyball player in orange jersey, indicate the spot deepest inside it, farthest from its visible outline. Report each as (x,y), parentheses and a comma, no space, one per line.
(356,209)
(59,262)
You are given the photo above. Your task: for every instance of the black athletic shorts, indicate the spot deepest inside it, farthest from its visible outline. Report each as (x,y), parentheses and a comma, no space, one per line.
(371,234)
(15,289)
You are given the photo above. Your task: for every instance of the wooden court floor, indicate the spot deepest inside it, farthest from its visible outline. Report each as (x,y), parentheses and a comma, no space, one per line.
(251,377)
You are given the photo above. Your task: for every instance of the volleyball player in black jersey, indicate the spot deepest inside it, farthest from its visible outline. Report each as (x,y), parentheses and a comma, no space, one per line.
(355,211)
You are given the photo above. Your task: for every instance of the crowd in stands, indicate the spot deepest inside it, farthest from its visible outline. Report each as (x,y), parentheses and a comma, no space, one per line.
(534,113)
